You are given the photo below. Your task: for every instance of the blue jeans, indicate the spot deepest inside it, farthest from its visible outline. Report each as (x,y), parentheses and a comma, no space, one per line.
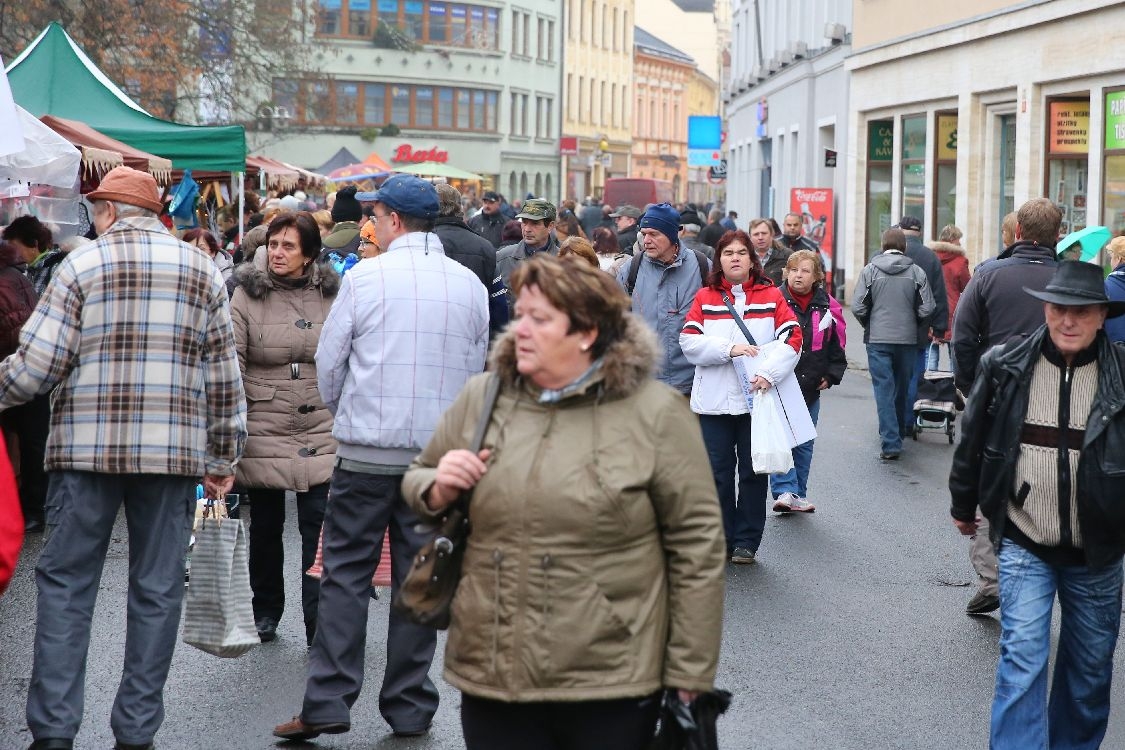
(892,372)
(920,358)
(796,480)
(727,437)
(1078,711)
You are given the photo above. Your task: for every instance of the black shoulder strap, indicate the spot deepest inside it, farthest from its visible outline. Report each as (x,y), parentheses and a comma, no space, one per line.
(634,269)
(701,259)
(490,395)
(738,319)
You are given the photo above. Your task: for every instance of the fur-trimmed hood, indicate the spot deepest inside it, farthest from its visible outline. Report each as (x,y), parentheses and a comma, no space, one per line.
(626,365)
(10,256)
(255,280)
(947,247)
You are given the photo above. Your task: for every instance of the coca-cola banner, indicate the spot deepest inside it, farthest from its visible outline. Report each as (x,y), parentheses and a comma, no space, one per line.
(814,206)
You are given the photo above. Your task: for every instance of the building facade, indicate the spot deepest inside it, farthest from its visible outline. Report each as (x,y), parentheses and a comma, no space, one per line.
(787,113)
(474,85)
(662,77)
(963,110)
(597,94)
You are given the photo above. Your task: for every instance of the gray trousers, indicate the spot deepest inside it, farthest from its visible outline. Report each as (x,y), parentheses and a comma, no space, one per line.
(361,509)
(983,557)
(80,513)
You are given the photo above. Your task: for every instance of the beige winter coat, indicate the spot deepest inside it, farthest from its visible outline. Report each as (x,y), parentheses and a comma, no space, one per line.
(595,566)
(290,444)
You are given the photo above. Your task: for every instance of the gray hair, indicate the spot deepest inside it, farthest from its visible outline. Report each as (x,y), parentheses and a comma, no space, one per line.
(714,215)
(124,210)
(691,228)
(449,200)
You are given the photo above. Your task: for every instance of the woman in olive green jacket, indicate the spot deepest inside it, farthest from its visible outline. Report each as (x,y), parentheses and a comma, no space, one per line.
(593,577)
(279,306)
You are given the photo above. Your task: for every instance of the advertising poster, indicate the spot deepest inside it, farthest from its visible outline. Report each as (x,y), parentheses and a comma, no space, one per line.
(814,206)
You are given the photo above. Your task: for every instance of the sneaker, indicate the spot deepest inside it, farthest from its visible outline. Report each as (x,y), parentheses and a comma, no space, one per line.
(742,556)
(801,505)
(784,502)
(884,456)
(982,604)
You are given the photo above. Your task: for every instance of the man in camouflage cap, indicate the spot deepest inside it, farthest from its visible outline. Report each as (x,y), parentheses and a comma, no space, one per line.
(537,219)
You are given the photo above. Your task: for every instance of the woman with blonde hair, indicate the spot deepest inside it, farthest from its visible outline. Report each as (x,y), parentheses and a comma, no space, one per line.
(1115,286)
(595,582)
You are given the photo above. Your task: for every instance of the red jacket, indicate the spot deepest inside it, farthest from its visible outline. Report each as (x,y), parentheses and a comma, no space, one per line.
(11,519)
(955,267)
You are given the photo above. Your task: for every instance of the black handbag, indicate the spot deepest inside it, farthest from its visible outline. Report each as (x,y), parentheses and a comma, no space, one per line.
(684,727)
(426,593)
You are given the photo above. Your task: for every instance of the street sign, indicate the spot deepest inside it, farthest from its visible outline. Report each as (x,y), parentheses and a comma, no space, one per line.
(568,145)
(829,158)
(703,157)
(718,172)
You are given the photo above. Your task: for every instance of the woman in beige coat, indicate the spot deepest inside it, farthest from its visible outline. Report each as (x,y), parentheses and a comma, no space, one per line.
(593,576)
(279,305)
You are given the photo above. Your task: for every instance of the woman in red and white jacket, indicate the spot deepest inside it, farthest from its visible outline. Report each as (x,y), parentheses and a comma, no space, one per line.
(710,339)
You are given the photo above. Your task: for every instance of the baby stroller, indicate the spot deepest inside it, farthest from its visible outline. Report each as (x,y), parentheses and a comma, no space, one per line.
(938,401)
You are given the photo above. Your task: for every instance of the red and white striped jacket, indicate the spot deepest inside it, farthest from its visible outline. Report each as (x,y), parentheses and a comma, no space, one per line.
(710,331)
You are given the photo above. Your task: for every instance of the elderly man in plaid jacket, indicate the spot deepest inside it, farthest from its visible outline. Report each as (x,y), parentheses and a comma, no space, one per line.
(135,333)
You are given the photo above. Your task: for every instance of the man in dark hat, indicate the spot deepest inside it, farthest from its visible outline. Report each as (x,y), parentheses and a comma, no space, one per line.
(625,220)
(690,224)
(134,335)
(537,219)
(1041,456)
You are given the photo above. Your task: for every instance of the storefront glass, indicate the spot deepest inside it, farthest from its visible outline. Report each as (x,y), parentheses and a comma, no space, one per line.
(945,185)
(1007,196)
(1068,150)
(913,180)
(880,155)
(1113,189)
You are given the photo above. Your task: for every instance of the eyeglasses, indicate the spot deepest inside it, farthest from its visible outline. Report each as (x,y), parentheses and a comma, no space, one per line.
(375,217)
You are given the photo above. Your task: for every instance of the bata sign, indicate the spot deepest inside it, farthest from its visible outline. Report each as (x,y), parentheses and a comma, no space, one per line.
(407,153)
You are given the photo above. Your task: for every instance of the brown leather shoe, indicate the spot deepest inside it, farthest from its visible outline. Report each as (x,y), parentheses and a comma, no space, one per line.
(298,730)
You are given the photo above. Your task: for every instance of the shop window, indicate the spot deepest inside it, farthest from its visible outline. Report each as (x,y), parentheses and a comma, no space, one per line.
(400,105)
(1007,178)
(913,176)
(1068,155)
(347,103)
(375,104)
(328,18)
(445,108)
(945,167)
(359,18)
(1113,189)
(462,109)
(880,158)
(423,107)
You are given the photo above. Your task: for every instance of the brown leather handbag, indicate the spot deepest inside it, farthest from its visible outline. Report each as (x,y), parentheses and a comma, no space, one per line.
(426,594)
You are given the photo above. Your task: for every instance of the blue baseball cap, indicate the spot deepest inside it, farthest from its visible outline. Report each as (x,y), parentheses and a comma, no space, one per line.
(409,195)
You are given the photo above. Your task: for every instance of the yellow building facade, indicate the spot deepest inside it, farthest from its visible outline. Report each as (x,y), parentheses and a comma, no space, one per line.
(662,79)
(597,94)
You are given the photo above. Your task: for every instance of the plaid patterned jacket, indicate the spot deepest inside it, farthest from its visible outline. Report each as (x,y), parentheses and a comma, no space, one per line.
(136,333)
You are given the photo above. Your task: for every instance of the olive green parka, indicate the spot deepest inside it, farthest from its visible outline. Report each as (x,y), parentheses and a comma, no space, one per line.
(595,566)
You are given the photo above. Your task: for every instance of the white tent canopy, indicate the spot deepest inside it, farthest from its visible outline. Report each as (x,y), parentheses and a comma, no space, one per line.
(47,157)
(11,135)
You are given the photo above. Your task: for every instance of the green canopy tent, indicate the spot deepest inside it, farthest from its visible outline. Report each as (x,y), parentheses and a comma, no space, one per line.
(53,76)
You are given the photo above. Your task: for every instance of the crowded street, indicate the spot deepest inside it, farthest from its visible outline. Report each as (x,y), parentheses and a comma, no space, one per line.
(849,634)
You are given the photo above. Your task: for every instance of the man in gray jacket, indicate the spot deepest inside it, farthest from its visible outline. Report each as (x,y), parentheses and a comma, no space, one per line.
(537,219)
(891,296)
(405,333)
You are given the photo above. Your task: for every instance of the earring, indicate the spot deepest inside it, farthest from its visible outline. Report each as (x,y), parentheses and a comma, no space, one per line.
(585,347)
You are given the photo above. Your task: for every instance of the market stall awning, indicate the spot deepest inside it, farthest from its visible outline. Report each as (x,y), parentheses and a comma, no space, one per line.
(47,157)
(278,175)
(93,144)
(357,172)
(54,76)
(438,169)
(341,158)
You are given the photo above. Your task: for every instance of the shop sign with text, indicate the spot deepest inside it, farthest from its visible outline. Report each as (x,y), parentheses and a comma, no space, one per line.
(947,137)
(880,140)
(407,153)
(1069,128)
(1115,120)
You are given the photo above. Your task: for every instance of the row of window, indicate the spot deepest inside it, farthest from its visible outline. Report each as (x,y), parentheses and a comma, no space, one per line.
(597,24)
(423,21)
(353,103)
(596,102)
(528,122)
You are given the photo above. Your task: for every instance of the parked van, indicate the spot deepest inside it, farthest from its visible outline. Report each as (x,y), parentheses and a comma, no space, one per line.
(636,191)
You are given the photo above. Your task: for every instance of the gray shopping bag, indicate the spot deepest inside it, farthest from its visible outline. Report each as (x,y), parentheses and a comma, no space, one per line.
(219,617)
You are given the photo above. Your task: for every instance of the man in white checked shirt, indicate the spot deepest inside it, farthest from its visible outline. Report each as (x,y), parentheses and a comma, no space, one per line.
(135,332)
(405,333)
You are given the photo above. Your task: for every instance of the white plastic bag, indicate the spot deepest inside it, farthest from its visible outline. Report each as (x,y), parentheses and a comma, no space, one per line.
(769,446)
(219,616)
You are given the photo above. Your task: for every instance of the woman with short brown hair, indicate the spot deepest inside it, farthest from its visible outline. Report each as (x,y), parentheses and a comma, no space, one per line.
(593,577)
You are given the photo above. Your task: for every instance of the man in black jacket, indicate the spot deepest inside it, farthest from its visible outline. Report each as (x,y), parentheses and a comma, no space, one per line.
(994,309)
(1041,455)
(472,251)
(489,223)
(625,219)
(934,328)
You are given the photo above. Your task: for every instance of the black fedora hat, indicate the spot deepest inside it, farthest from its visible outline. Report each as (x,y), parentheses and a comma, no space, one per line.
(1078,283)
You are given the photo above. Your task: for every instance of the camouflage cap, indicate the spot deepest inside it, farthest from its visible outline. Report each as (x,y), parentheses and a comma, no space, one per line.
(627,210)
(538,209)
